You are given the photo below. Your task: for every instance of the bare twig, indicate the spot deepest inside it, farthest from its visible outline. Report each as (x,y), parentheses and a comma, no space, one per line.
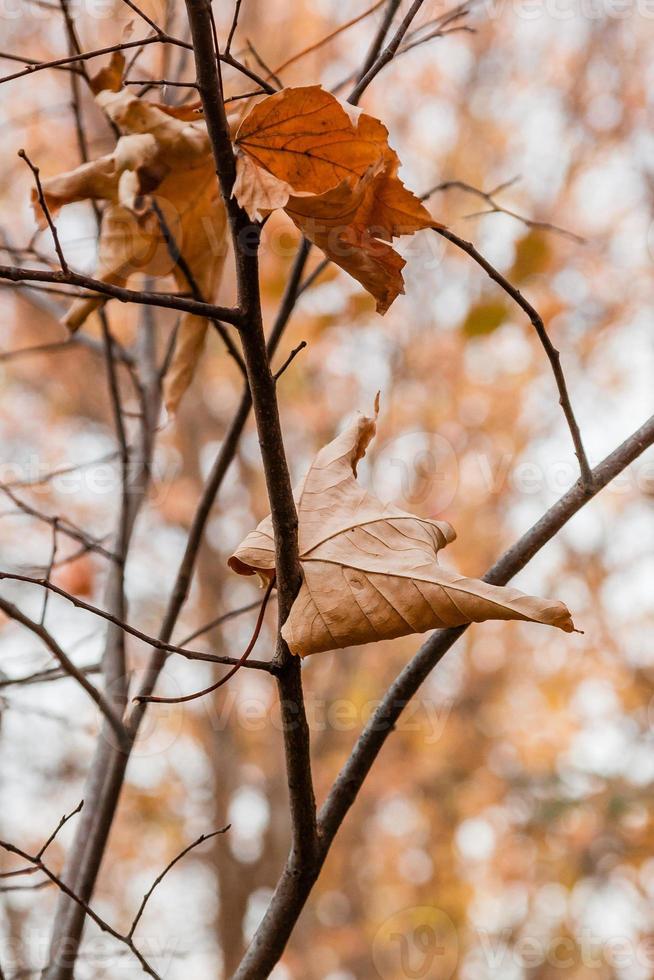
(43,676)
(176,255)
(327,38)
(61,346)
(289,360)
(64,526)
(551,351)
(218,621)
(151,641)
(39,865)
(387,54)
(233,26)
(46,211)
(48,573)
(64,820)
(13,612)
(157,881)
(157,82)
(262,64)
(495,208)
(141,699)
(169,301)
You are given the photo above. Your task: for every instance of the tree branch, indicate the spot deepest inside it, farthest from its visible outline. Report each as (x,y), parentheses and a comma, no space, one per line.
(168,301)
(11,610)
(552,353)
(291,894)
(245,236)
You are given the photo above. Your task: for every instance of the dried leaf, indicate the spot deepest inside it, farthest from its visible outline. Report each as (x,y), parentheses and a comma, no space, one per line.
(111,76)
(160,159)
(370,571)
(332,169)
(259,191)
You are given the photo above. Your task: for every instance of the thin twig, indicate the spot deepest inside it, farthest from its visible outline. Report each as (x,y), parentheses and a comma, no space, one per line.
(151,641)
(148,20)
(158,81)
(64,525)
(46,211)
(387,54)
(176,255)
(327,38)
(141,699)
(495,208)
(218,621)
(13,612)
(63,887)
(45,676)
(168,301)
(157,881)
(64,820)
(553,354)
(233,26)
(291,357)
(48,572)
(262,64)
(30,869)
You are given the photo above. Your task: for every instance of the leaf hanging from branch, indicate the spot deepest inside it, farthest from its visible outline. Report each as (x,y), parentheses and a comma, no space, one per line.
(331,168)
(160,163)
(370,571)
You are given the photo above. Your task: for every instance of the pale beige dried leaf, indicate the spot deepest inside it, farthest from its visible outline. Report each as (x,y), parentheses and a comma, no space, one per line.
(257,190)
(158,158)
(370,571)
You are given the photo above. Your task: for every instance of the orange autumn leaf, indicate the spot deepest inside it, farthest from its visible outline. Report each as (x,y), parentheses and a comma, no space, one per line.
(331,168)
(369,570)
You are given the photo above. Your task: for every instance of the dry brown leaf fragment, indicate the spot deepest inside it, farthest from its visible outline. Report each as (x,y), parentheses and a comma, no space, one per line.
(370,571)
(331,168)
(259,191)
(110,77)
(159,159)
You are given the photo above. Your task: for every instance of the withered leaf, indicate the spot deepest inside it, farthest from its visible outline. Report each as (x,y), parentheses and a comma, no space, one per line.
(159,159)
(331,168)
(370,571)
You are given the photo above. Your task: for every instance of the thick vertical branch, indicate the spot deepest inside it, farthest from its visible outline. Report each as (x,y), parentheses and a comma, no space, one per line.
(246,236)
